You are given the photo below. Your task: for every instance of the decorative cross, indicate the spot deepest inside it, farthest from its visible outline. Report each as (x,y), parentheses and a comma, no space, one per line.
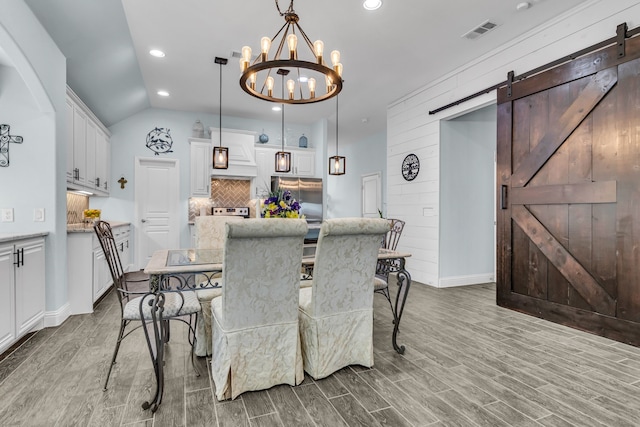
(5,139)
(122,182)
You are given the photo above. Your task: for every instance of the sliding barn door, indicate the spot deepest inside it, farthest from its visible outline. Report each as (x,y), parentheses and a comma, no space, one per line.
(569,194)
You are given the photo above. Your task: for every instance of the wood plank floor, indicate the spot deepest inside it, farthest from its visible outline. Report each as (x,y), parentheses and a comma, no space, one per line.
(468,363)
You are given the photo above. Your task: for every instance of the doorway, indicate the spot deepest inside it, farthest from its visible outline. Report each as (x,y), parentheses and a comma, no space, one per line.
(371,195)
(157,202)
(467,198)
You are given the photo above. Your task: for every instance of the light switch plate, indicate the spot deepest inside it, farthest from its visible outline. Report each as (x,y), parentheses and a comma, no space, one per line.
(38,215)
(6,214)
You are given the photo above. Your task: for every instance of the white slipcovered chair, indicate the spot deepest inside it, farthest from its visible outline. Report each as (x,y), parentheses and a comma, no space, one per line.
(210,234)
(255,320)
(336,312)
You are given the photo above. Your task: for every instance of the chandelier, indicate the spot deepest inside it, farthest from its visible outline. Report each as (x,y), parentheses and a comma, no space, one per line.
(257,79)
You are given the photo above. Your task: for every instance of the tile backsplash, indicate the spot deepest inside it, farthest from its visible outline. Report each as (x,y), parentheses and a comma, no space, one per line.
(76,204)
(224,193)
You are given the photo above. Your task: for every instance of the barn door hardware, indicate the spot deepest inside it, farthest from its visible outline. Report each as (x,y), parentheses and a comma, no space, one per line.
(503,197)
(621,35)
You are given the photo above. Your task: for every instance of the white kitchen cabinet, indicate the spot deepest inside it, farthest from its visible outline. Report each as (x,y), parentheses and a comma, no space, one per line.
(88,272)
(303,163)
(200,167)
(22,268)
(88,150)
(79,147)
(103,166)
(90,154)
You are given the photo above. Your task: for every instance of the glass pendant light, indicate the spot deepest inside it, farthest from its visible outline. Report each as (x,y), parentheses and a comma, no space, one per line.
(283,158)
(220,153)
(337,164)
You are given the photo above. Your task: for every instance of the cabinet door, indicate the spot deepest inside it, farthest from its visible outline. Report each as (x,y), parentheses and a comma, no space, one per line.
(201,153)
(304,163)
(79,147)
(91,154)
(103,162)
(7,306)
(101,274)
(69,122)
(30,285)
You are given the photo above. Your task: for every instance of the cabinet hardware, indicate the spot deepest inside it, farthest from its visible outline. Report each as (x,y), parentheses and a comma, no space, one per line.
(76,174)
(98,182)
(19,254)
(121,246)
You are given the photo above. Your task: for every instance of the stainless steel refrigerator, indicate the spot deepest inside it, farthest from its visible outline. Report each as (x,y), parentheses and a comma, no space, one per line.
(307,191)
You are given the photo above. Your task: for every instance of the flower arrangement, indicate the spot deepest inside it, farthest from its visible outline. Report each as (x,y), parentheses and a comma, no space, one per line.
(92,213)
(280,204)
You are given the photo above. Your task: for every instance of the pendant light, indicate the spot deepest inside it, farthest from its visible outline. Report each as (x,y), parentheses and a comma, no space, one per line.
(337,164)
(220,153)
(283,158)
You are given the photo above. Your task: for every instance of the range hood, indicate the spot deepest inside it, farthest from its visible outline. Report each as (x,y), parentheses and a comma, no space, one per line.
(242,158)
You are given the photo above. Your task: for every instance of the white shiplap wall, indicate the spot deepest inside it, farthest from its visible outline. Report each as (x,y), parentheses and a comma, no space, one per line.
(410,128)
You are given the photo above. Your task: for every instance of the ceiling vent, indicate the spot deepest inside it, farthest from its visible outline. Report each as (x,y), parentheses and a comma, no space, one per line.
(480,30)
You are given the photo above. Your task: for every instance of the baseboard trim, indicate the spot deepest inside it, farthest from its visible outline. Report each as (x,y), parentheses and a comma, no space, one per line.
(473,279)
(55,318)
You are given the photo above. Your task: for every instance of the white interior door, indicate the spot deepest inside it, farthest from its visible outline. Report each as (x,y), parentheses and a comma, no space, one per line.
(371,195)
(157,201)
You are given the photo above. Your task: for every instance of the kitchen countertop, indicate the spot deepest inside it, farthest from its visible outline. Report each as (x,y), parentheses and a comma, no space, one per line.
(82,228)
(9,237)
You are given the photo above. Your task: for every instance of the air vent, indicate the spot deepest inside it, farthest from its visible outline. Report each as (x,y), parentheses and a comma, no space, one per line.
(480,30)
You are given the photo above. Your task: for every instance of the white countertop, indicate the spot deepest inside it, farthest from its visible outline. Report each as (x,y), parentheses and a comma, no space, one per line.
(10,237)
(88,228)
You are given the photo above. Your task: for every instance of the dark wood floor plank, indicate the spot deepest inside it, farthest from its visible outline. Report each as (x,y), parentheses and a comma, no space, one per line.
(353,412)
(389,417)
(232,414)
(200,410)
(471,410)
(509,415)
(318,407)
(404,403)
(257,403)
(362,391)
(331,387)
(269,420)
(289,407)
(106,417)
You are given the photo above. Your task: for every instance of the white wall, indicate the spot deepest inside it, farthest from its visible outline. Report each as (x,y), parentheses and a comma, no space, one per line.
(32,99)
(467,153)
(365,156)
(410,129)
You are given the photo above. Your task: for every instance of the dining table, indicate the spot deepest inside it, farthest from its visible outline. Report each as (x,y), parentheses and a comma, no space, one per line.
(185,270)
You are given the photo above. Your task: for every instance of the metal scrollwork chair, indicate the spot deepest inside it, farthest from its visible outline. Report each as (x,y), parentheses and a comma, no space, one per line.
(386,266)
(141,305)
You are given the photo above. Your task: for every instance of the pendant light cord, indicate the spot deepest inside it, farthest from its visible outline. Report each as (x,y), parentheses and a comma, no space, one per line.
(337,125)
(220,110)
(283,110)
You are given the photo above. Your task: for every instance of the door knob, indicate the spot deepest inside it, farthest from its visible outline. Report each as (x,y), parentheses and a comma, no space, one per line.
(143,220)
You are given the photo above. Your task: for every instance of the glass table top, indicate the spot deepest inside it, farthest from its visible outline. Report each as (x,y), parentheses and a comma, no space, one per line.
(177,257)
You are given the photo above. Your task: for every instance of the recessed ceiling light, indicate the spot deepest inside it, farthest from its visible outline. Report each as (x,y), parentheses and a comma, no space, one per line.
(163,93)
(372,4)
(157,53)
(276,108)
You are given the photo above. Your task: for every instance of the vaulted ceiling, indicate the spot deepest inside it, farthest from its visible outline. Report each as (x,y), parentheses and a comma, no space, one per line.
(387,53)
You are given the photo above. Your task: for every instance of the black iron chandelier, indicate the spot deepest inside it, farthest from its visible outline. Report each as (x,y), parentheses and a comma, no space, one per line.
(257,79)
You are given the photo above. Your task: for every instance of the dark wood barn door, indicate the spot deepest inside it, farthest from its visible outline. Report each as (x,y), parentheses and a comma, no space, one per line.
(569,190)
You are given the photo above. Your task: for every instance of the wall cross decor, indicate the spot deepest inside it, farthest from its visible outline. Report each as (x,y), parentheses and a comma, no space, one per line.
(5,139)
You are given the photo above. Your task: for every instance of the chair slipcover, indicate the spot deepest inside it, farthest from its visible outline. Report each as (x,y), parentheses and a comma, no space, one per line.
(336,312)
(210,234)
(255,321)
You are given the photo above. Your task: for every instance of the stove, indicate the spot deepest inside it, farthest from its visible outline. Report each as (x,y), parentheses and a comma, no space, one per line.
(242,211)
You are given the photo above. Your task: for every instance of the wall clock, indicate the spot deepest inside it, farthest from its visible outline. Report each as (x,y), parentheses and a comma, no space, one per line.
(410,167)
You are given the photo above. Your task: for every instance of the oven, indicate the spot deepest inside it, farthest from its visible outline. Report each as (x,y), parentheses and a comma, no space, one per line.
(222,211)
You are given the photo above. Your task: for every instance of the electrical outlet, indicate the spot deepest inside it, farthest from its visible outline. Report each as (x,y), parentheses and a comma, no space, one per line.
(6,214)
(38,215)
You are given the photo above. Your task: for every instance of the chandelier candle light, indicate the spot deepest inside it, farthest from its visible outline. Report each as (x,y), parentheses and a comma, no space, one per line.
(256,78)
(220,153)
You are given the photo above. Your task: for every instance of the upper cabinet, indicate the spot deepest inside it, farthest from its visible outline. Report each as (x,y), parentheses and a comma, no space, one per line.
(303,161)
(201,152)
(88,150)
